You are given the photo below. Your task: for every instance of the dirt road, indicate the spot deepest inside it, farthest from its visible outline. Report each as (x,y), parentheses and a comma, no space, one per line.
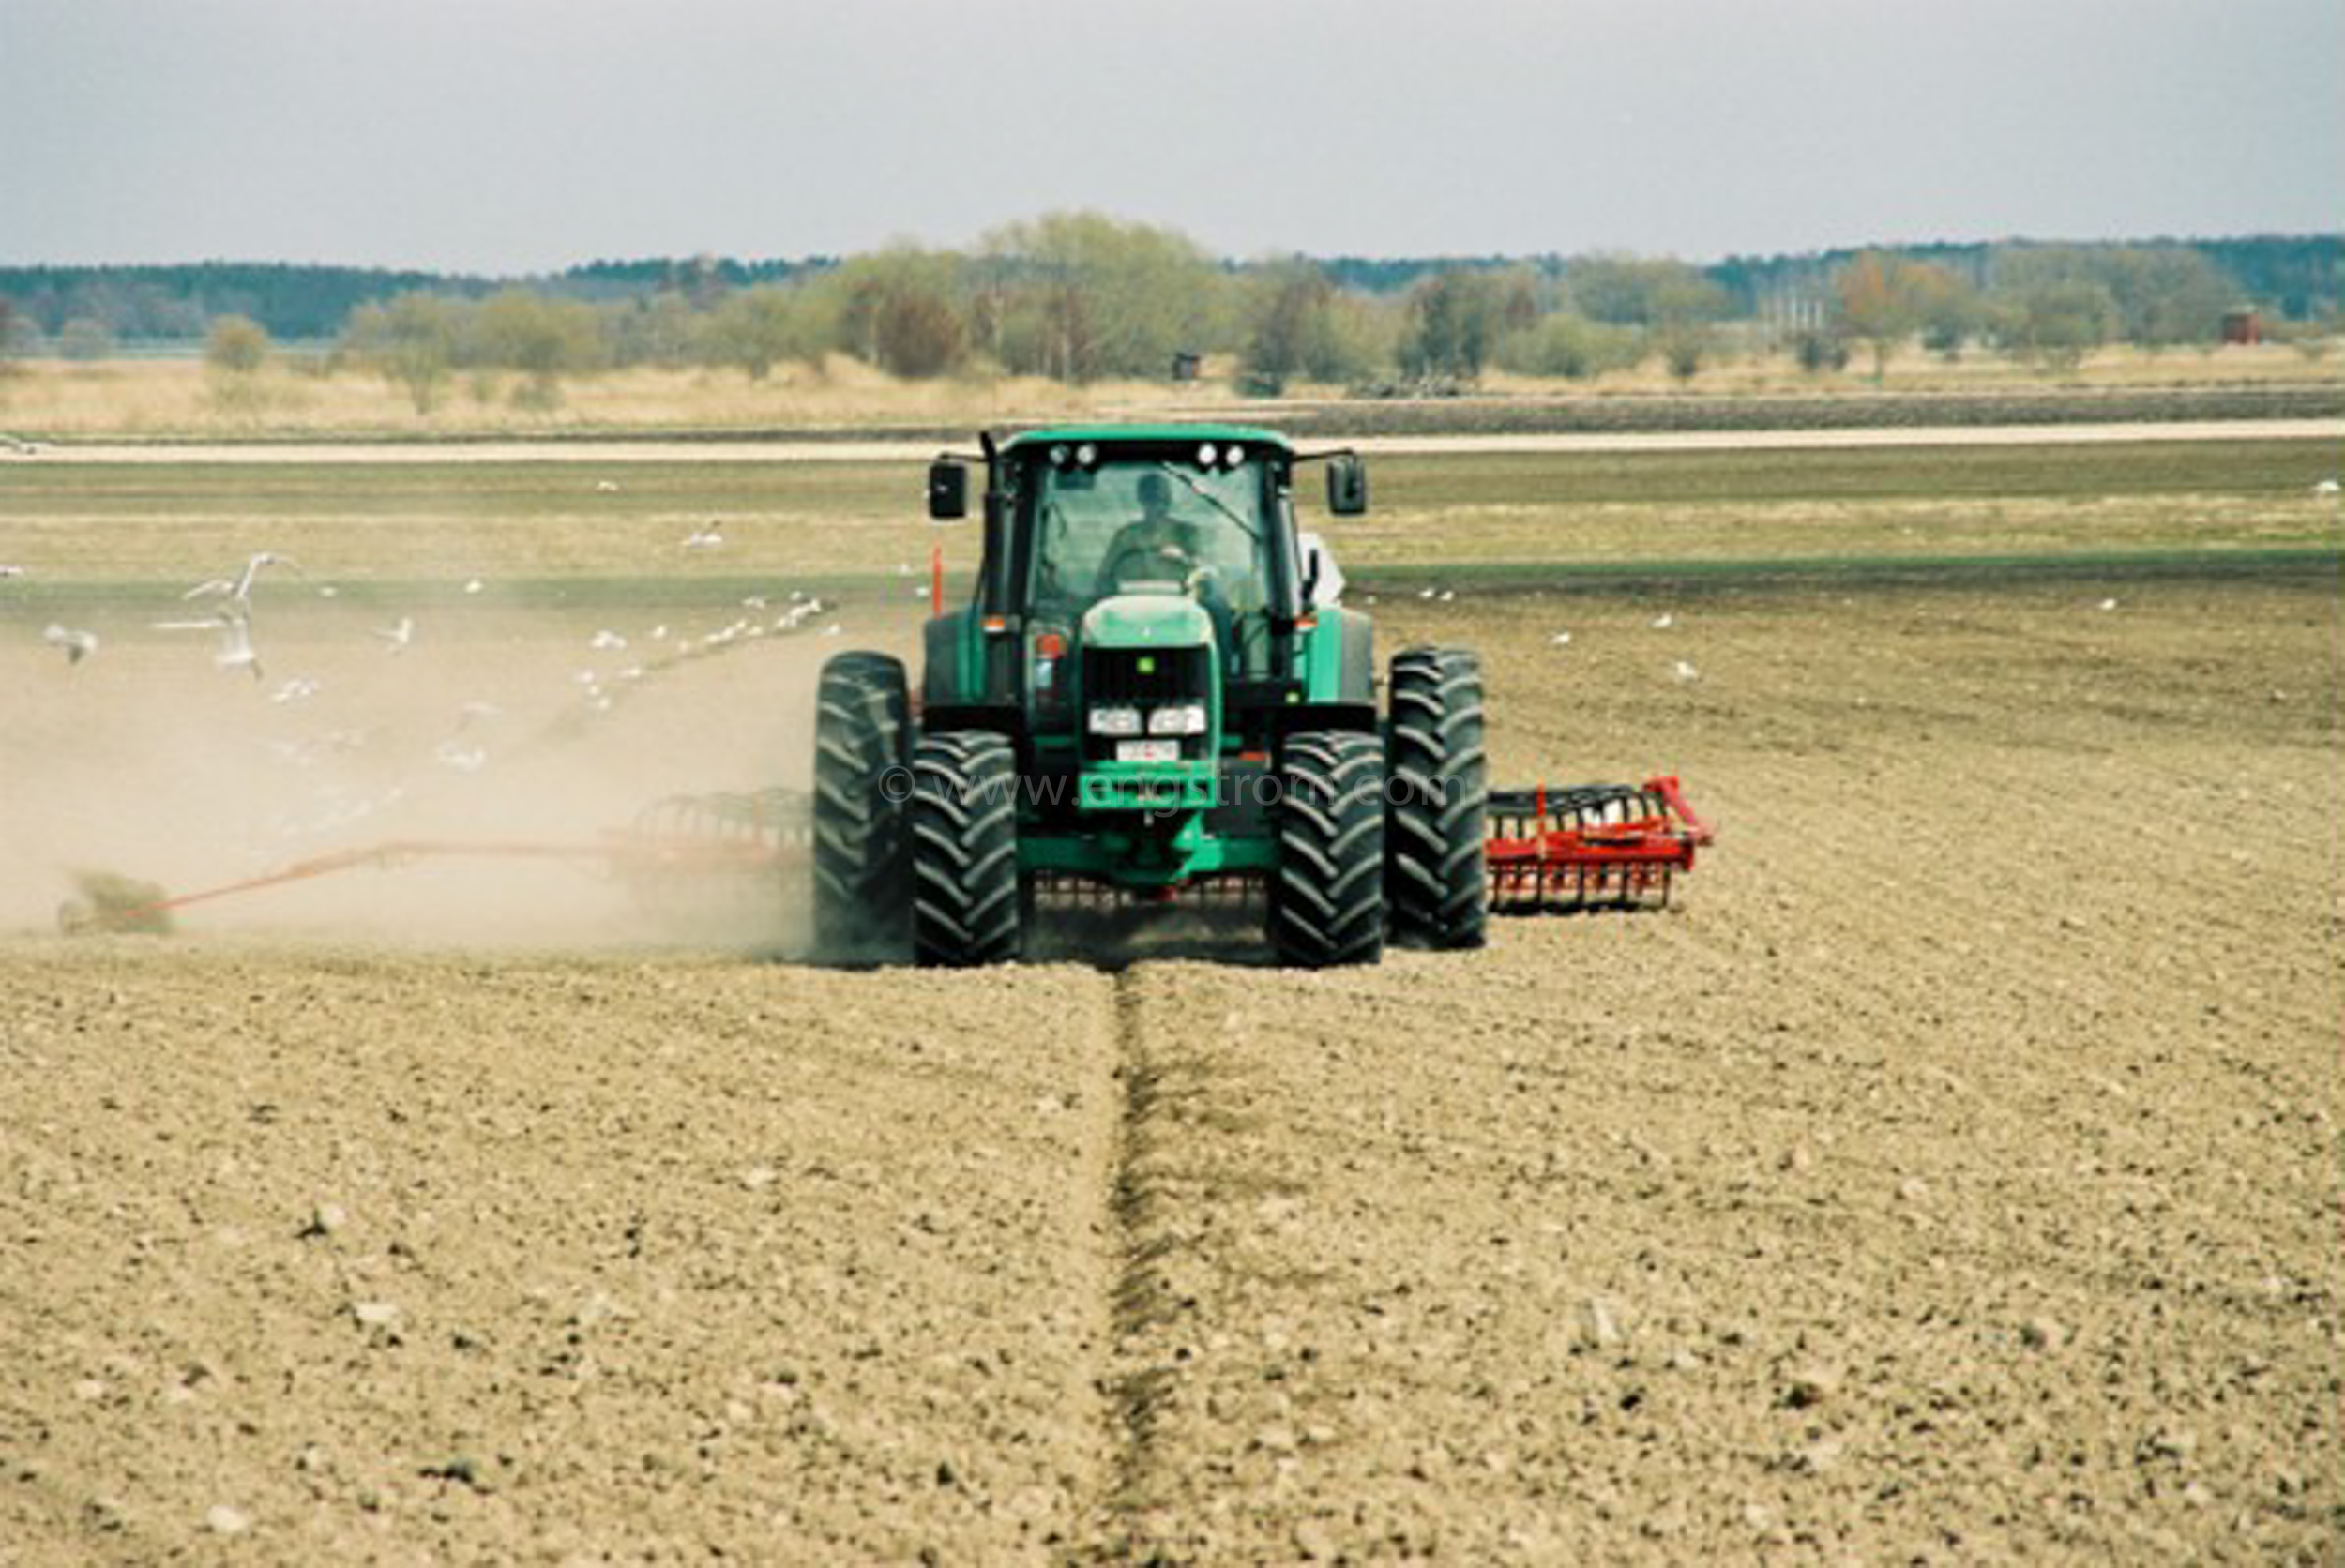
(1955,1172)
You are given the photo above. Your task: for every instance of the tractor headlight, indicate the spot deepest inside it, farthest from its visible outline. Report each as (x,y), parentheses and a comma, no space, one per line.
(1189,718)
(1114,721)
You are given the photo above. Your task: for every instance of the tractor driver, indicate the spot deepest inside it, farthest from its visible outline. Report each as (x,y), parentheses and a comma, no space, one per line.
(1154,547)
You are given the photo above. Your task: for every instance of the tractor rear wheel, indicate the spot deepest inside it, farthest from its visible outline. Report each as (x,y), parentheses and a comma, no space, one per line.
(965,904)
(1436,823)
(1328,895)
(862,742)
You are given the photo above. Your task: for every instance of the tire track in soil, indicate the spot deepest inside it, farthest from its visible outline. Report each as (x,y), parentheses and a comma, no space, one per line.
(1133,1387)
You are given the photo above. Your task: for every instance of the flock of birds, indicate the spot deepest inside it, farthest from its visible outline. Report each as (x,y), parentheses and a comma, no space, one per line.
(223,608)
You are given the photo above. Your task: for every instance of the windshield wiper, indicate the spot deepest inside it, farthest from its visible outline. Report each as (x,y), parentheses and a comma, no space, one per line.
(1211,500)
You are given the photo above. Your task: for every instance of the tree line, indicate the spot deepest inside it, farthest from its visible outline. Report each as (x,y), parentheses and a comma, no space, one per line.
(1078,296)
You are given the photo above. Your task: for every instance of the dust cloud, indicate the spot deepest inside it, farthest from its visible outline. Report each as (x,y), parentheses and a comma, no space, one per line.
(508,735)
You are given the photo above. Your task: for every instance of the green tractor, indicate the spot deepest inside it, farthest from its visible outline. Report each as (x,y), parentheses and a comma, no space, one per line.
(1151,695)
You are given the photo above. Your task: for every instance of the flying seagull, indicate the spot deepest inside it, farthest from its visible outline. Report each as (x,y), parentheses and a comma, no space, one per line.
(233,620)
(240,588)
(78,645)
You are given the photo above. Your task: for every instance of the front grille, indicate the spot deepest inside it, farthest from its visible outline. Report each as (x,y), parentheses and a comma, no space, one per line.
(1146,679)
(1116,675)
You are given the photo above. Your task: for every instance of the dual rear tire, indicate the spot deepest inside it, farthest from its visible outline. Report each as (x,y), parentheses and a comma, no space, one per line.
(1380,841)
(862,750)
(1439,802)
(966,907)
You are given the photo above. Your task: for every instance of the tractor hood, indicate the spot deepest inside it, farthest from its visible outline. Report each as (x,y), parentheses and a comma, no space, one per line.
(1146,621)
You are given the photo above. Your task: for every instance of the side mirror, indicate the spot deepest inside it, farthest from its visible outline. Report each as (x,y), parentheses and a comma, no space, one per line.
(948,490)
(1347,485)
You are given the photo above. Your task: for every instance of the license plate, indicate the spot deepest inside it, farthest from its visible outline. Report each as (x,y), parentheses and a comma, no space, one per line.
(1147,751)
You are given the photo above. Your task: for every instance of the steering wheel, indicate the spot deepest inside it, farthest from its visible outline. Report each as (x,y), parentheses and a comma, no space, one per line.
(1135,561)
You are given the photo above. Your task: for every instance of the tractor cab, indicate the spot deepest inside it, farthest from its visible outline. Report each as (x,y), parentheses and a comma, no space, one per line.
(1165,539)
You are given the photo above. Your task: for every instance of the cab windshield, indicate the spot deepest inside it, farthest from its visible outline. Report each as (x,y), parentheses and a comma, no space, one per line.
(1148,525)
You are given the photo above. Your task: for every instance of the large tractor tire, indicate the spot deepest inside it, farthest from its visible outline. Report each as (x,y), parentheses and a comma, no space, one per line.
(966,907)
(1435,822)
(1328,895)
(862,747)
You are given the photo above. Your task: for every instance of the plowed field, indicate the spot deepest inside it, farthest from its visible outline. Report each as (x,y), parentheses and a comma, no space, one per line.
(1955,1170)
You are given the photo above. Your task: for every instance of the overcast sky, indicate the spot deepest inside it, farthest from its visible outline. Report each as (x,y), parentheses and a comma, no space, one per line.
(525,135)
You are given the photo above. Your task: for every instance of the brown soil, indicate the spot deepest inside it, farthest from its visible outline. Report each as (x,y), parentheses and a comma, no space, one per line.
(1955,1171)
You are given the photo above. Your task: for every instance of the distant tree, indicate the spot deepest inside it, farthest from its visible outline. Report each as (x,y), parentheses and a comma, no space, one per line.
(758,328)
(1820,349)
(236,346)
(2166,295)
(16,329)
(1568,344)
(1079,295)
(2050,302)
(84,338)
(1631,291)
(1295,322)
(1456,319)
(542,338)
(411,341)
(899,309)
(1945,308)
(1877,304)
(1684,308)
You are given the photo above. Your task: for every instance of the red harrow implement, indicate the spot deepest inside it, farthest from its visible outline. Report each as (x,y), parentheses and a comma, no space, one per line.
(1559,848)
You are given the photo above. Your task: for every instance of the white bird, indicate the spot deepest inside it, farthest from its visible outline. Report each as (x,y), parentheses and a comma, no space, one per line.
(1424,592)
(755,601)
(472,585)
(831,631)
(1663,623)
(604,642)
(240,587)
(1561,639)
(233,620)
(1684,672)
(235,646)
(8,571)
(328,591)
(2326,487)
(2108,604)
(607,487)
(398,635)
(295,691)
(659,634)
(707,536)
(1448,594)
(78,645)
(464,759)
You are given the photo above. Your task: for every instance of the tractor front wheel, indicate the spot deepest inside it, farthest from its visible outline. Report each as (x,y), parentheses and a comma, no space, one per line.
(862,736)
(1328,895)
(965,904)
(1436,824)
